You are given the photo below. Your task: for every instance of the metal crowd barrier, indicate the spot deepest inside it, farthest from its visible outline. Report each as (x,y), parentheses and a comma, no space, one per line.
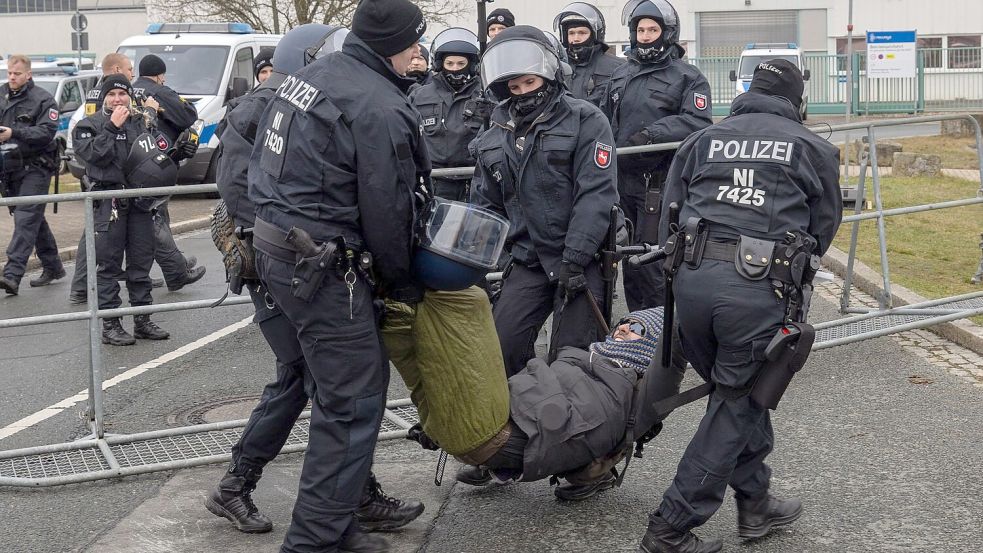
(101,455)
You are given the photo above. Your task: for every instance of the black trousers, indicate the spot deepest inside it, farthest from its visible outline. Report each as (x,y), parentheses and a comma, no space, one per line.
(348,373)
(725,323)
(451,189)
(31,231)
(132,234)
(527,300)
(644,286)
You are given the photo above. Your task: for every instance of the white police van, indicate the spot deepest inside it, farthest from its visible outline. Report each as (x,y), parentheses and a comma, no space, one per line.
(756,53)
(208,64)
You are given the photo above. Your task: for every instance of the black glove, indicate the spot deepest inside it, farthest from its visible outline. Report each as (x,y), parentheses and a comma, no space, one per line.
(572,278)
(185,149)
(477,111)
(639,139)
(416,434)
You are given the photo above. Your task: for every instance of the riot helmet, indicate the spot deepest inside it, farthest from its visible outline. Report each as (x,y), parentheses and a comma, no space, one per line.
(580,14)
(304,44)
(665,15)
(457,244)
(517,51)
(456,41)
(147,166)
(562,54)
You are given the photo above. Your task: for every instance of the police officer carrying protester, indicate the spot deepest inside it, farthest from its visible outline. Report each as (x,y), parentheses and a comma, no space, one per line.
(284,399)
(28,122)
(754,191)
(443,104)
(497,21)
(337,159)
(655,97)
(581,28)
(120,153)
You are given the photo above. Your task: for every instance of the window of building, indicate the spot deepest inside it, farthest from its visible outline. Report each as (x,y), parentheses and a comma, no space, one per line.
(964,51)
(37,6)
(859,45)
(931,48)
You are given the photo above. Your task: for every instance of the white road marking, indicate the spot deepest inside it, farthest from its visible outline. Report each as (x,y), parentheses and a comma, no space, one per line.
(72,401)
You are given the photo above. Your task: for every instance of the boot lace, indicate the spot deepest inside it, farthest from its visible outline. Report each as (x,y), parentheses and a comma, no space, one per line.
(378,496)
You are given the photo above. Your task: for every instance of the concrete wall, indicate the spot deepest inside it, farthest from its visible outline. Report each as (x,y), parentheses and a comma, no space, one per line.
(51,32)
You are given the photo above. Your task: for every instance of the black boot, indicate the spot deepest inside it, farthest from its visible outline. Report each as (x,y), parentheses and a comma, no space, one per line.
(114,334)
(358,542)
(473,476)
(756,517)
(662,538)
(571,492)
(9,285)
(145,329)
(47,277)
(233,501)
(378,511)
(192,276)
(77,298)
(191,261)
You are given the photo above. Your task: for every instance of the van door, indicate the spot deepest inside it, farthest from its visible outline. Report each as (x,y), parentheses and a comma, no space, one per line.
(242,68)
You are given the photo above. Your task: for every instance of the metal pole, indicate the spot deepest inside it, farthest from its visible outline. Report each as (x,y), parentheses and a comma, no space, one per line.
(849,89)
(885,299)
(95,327)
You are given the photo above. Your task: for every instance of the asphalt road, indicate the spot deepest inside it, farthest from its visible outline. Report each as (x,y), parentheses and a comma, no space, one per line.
(882,464)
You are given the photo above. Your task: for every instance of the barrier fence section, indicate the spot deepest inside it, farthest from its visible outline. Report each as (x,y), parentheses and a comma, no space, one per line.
(101,455)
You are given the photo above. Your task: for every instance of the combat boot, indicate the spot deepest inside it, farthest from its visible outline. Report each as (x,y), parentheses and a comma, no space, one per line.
(9,285)
(192,276)
(77,298)
(473,476)
(145,329)
(358,542)
(114,334)
(233,500)
(572,492)
(47,277)
(757,517)
(663,538)
(378,511)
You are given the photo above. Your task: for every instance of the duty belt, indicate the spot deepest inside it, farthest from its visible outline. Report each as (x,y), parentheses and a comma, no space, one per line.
(272,241)
(721,251)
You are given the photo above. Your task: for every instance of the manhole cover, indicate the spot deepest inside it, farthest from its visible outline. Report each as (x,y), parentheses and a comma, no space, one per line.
(218,410)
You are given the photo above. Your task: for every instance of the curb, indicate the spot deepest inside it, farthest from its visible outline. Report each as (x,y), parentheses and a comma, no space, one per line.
(963,332)
(180,227)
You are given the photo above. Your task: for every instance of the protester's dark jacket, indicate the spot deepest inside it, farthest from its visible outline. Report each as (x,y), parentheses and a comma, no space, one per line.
(445,130)
(589,78)
(32,116)
(175,115)
(237,135)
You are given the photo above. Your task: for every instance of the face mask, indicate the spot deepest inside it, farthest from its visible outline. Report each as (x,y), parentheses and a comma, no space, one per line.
(651,51)
(458,77)
(416,73)
(581,53)
(528,102)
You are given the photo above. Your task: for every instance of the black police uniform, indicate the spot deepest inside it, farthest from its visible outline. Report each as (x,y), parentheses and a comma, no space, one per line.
(591,75)
(337,155)
(668,100)
(761,174)
(32,115)
(446,132)
(121,225)
(557,193)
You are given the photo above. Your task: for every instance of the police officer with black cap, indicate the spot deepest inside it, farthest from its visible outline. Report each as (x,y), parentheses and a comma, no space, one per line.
(443,105)
(283,400)
(420,68)
(28,122)
(581,28)
(120,153)
(755,191)
(655,97)
(338,157)
(497,21)
(263,65)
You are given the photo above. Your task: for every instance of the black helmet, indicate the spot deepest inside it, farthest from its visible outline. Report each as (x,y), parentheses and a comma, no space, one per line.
(517,51)
(147,166)
(564,59)
(304,44)
(577,14)
(456,41)
(659,10)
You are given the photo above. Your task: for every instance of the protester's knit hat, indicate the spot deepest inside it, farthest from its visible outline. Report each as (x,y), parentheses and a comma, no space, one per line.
(636,354)
(388,26)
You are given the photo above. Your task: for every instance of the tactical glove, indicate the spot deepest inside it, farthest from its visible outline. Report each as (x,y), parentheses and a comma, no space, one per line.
(185,149)
(572,278)
(639,139)
(416,434)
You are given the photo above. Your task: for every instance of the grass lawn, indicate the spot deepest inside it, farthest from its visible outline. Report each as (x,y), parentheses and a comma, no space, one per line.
(934,253)
(66,183)
(956,153)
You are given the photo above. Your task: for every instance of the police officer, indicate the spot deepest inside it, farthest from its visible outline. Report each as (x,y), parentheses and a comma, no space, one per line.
(581,28)
(766,188)
(113,63)
(28,123)
(106,142)
(263,65)
(443,103)
(284,399)
(655,97)
(497,21)
(420,68)
(332,177)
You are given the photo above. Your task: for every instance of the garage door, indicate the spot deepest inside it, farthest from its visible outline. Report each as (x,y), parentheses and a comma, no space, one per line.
(725,34)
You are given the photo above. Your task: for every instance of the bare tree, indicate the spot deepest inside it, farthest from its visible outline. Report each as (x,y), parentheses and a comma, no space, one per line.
(279,16)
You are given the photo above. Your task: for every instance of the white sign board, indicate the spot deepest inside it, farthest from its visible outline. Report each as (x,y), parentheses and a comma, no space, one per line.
(891,54)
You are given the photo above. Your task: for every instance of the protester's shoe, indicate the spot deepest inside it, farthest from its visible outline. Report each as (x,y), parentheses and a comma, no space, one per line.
(233,500)
(473,476)
(757,517)
(145,329)
(358,542)
(663,538)
(47,277)
(114,334)
(191,261)
(378,511)
(77,298)
(570,492)
(192,276)
(156,283)
(9,285)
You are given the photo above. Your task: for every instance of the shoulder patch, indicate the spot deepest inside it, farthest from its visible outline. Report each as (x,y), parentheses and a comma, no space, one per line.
(700,101)
(53,114)
(602,155)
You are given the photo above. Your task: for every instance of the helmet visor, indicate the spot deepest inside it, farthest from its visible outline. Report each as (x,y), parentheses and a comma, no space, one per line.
(649,8)
(463,232)
(455,41)
(516,57)
(580,10)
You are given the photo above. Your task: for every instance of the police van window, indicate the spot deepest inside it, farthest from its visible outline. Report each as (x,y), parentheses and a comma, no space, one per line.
(748,63)
(50,86)
(244,64)
(191,70)
(70,95)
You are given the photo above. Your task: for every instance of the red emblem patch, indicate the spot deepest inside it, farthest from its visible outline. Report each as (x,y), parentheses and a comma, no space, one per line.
(602,155)
(53,114)
(162,142)
(700,101)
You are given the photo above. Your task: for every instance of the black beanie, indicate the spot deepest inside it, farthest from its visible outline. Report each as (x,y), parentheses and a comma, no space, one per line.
(425,54)
(264,59)
(111,82)
(388,26)
(501,16)
(778,77)
(151,66)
